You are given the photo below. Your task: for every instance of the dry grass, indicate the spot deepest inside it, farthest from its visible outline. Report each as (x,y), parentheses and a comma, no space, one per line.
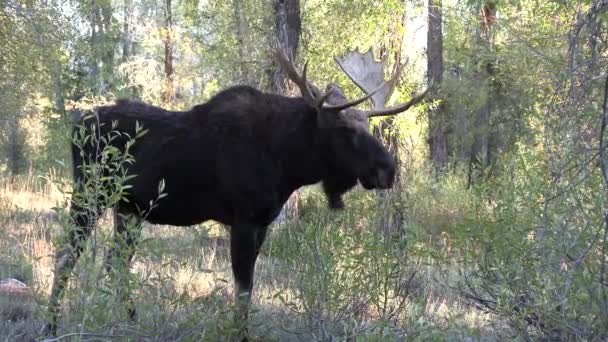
(183,286)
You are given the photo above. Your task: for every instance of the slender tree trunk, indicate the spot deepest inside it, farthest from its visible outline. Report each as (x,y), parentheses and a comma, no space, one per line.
(169,91)
(16,146)
(102,47)
(391,212)
(59,97)
(94,43)
(287,30)
(126,30)
(438,141)
(480,149)
(107,47)
(241,37)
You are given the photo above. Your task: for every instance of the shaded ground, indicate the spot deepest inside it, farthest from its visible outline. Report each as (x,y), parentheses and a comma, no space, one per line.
(182,286)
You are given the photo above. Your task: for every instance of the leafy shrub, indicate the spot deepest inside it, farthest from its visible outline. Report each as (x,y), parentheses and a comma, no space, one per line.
(344,277)
(533,252)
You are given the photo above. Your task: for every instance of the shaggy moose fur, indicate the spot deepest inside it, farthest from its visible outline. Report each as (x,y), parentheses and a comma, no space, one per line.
(235,159)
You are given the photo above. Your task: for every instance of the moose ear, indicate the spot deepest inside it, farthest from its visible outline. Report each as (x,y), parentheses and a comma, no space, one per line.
(336,95)
(326,117)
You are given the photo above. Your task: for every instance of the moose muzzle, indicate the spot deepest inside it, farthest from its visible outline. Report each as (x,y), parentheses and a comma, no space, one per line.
(379,177)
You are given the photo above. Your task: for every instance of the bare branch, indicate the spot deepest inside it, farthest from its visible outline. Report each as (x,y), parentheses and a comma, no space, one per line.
(604,168)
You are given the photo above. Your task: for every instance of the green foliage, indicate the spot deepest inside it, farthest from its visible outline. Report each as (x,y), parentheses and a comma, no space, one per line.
(30,56)
(104,182)
(356,281)
(525,242)
(532,255)
(358,24)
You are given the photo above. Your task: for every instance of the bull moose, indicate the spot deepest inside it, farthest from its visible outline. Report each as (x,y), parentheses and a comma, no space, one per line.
(235,159)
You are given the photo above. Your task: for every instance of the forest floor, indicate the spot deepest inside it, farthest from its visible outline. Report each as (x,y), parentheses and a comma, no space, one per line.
(183,288)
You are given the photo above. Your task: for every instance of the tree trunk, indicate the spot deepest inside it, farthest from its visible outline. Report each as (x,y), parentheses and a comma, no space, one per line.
(287,30)
(107,47)
(59,97)
(169,91)
(126,30)
(480,149)
(94,43)
(102,47)
(438,142)
(391,212)
(241,38)
(392,215)
(16,146)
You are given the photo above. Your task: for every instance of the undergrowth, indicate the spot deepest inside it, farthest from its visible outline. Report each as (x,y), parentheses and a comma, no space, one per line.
(486,263)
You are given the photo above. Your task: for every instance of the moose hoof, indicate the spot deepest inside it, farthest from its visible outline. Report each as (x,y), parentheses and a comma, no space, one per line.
(336,202)
(49,330)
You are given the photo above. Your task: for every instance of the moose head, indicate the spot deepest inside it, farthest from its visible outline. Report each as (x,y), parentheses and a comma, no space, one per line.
(352,154)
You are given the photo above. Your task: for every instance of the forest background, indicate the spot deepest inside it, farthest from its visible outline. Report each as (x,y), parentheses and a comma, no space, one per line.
(496,229)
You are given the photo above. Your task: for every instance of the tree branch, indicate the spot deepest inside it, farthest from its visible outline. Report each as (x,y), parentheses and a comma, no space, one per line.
(604,168)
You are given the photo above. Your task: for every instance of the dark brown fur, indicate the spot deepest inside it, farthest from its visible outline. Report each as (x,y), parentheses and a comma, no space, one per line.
(235,159)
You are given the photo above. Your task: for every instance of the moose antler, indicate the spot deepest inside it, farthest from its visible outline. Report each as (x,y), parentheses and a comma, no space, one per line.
(368,74)
(309,92)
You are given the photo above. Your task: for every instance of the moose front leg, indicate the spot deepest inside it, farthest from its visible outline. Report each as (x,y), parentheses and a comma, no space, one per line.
(245,243)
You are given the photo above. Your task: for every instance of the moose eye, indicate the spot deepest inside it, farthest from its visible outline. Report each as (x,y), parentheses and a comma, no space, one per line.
(347,131)
(350,135)
(383,164)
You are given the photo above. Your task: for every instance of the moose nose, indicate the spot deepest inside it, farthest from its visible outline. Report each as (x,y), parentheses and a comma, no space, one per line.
(386,177)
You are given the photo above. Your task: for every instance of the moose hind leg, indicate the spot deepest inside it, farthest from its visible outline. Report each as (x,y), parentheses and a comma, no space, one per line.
(127,229)
(66,258)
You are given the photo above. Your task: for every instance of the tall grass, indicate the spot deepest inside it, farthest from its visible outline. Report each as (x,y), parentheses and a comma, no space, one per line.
(324,276)
(457,264)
